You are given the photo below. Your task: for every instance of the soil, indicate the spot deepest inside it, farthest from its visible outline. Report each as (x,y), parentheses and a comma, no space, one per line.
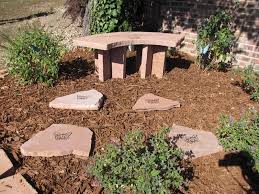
(204,96)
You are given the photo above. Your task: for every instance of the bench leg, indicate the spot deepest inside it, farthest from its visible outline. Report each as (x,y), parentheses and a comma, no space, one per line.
(118,62)
(158,63)
(146,62)
(103,64)
(138,49)
(96,62)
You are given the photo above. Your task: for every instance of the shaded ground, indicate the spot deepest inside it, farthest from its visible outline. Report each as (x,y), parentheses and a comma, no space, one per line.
(203,96)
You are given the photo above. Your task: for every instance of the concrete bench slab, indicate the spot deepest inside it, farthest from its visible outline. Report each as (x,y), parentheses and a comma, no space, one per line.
(59,140)
(16,185)
(109,41)
(110,56)
(199,143)
(6,166)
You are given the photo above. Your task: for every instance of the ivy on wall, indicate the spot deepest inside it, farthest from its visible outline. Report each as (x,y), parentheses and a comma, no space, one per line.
(113,15)
(100,16)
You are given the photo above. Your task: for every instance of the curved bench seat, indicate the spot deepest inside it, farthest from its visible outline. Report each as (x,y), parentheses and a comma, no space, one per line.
(111,48)
(118,39)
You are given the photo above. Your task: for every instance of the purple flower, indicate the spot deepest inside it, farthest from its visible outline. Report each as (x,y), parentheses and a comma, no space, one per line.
(231,120)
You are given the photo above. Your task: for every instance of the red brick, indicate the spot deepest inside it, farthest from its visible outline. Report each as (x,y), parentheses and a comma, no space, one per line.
(255,55)
(246,47)
(243,58)
(255,61)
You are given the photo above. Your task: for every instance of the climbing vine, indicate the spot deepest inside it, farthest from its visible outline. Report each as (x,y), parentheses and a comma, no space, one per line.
(113,15)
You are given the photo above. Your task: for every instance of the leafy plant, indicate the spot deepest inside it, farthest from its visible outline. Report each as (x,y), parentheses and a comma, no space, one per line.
(215,42)
(241,135)
(250,81)
(139,166)
(113,15)
(33,55)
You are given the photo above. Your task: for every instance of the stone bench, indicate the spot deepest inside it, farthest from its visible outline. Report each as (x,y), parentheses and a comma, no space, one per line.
(111,48)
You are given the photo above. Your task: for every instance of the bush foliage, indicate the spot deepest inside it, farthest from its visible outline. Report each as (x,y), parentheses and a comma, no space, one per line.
(139,166)
(33,55)
(241,135)
(250,81)
(215,42)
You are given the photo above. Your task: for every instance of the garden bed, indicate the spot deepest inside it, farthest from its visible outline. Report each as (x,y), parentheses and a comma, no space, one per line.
(204,96)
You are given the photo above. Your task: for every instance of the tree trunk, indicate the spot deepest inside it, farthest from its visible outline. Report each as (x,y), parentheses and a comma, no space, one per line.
(86,18)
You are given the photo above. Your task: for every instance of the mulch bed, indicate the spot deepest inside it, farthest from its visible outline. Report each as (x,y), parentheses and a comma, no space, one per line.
(204,96)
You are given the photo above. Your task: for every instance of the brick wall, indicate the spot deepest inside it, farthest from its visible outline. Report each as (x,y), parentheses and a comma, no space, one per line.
(185,16)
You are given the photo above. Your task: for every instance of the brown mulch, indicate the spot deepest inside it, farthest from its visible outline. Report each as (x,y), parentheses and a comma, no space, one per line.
(204,96)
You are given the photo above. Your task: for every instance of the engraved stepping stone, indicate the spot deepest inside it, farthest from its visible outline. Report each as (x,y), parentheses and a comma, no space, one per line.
(84,100)
(16,185)
(150,102)
(6,166)
(199,143)
(59,140)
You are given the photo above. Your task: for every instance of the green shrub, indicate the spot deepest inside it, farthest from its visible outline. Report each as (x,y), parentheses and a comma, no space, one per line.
(250,81)
(33,55)
(241,135)
(215,42)
(139,166)
(113,15)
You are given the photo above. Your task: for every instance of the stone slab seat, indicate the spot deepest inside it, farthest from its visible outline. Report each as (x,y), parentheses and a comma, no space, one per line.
(110,54)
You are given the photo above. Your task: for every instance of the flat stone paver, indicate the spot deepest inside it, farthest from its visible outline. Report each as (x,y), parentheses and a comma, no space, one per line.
(6,166)
(59,140)
(151,102)
(84,100)
(16,185)
(200,143)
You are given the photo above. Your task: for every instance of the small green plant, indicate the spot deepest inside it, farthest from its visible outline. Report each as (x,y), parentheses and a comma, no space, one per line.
(33,55)
(139,166)
(215,42)
(250,81)
(241,135)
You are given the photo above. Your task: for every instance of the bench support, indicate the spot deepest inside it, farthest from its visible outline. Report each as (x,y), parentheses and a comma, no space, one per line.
(112,64)
(138,49)
(158,63)
(103,64)
(146,62)
(153,61)
(118,62)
